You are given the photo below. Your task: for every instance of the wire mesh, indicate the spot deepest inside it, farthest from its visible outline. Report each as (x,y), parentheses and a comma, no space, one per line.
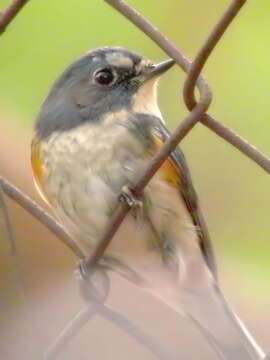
(93,295)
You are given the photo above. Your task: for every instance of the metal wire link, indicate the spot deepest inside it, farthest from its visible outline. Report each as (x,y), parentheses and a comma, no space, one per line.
(93,279)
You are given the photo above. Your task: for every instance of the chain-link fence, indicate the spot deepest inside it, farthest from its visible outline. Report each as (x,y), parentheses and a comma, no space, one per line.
(90,284)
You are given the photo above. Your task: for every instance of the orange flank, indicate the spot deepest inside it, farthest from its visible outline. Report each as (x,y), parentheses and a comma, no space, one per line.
(35,160)
(168,171)
(38,168)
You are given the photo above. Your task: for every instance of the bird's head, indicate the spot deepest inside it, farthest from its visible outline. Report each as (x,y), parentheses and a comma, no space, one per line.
(104,80)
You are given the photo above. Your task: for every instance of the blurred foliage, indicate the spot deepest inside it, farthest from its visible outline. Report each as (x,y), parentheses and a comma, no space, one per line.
(48,35)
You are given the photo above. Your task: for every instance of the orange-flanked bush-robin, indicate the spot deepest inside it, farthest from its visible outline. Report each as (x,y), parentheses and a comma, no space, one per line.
(94,135)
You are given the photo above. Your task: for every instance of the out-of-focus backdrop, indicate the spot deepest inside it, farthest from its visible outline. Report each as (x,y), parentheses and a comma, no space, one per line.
(234,192)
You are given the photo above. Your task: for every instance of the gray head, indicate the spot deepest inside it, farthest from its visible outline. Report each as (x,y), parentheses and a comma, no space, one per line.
(104,80)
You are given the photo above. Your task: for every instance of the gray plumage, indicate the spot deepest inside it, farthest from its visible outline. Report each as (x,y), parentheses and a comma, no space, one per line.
(79,102)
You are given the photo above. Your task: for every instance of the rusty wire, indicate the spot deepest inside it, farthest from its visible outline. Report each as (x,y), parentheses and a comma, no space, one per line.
(40,214)
(197,114)
(227,134)
(173,51)
(10,12)
(185,126)
(5,222)
(197,65)
(118,319)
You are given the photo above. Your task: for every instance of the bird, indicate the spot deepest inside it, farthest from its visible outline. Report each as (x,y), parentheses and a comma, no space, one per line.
(94,136)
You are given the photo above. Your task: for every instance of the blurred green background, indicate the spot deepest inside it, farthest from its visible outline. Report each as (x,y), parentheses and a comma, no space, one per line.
(234,192)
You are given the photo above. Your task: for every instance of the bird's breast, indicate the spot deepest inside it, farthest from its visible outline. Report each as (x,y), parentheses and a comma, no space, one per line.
(81,171)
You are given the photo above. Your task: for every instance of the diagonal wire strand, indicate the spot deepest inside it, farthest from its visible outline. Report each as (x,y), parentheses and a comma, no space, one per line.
(10,13)
(40,214)
(185,126)
(221,130)
(72,329)
(9,234)
(6,224)
(173,51)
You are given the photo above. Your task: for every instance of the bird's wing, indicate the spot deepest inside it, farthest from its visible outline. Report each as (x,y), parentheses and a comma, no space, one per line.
(206,305)
(177,164)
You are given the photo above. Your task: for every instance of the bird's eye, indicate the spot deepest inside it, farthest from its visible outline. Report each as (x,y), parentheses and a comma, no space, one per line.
(104,77)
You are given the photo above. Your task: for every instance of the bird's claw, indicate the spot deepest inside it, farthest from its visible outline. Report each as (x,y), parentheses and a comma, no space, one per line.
(94,285)
(81,271)
(129,198)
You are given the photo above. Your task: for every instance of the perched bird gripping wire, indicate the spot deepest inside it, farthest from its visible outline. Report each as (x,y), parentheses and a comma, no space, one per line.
(94,136)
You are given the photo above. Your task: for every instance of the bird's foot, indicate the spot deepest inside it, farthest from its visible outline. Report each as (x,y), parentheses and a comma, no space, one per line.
(95,284)
(130,198)
(132,201)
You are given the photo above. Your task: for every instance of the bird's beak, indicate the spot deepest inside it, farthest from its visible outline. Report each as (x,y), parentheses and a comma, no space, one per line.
(157,70)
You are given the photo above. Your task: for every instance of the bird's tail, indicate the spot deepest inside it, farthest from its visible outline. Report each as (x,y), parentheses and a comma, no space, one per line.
(194,293)
(209,311)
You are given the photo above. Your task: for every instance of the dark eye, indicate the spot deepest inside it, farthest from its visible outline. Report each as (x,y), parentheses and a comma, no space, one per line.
(104,77)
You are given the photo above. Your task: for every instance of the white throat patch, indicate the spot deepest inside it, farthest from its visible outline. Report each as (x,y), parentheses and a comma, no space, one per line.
(145,100)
